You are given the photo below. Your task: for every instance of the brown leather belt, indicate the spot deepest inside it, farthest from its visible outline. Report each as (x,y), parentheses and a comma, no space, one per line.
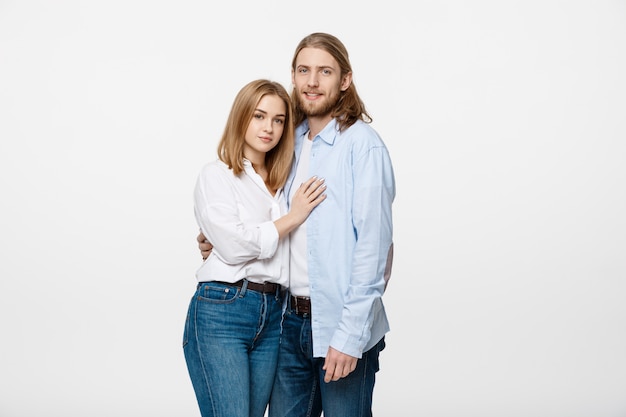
(265,288)
(301,305)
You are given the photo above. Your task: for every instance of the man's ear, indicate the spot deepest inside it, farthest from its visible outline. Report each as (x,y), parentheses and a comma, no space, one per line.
(347,80)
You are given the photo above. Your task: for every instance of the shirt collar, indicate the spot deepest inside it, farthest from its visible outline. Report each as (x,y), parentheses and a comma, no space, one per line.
(247,166)
(328,134)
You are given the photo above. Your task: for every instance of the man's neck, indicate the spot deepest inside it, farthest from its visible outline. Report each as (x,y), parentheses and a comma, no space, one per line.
(317,124)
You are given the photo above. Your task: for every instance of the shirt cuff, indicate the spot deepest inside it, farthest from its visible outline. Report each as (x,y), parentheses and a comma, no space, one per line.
(268,239)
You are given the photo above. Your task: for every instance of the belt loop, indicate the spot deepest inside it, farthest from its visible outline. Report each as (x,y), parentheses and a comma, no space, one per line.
(244,287)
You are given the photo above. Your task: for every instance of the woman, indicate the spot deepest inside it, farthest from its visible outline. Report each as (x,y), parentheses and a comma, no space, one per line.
(232,329)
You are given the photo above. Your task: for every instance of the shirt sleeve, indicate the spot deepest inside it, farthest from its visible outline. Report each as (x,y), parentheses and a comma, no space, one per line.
(217,212)
(374,192)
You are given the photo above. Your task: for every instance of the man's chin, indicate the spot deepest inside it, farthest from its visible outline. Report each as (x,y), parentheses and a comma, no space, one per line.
(315,111)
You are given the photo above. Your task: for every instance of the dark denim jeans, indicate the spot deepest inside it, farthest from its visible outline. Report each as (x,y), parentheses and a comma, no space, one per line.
(299,387)
(231,341)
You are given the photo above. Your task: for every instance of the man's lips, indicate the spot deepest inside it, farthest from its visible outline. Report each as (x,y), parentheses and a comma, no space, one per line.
(312,95)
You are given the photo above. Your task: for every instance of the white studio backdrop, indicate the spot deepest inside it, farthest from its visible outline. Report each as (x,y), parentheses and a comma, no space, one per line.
(506,124)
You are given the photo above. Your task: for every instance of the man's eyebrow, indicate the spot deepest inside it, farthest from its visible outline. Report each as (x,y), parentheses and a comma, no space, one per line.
(318,66)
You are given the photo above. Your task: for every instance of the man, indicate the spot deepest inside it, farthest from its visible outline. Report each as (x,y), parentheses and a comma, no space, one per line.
(334,322)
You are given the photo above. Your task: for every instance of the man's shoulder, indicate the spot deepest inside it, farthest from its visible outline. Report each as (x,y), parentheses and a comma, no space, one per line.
(360,125)
(363,133)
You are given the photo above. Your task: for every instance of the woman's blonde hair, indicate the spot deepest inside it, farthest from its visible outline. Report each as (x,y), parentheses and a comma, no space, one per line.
(230,148)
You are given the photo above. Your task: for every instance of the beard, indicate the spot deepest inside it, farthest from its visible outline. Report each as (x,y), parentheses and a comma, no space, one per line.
(317,109)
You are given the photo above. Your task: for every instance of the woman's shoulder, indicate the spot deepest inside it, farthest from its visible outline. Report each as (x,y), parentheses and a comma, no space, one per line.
(215,170)
(217,167)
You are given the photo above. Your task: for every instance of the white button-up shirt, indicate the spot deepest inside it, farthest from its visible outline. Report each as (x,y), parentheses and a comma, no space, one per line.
(237,214)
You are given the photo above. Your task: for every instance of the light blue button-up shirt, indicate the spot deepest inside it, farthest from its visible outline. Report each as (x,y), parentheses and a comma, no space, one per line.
(349,237)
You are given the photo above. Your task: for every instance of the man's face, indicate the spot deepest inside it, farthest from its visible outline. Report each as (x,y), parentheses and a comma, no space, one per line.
(318,82)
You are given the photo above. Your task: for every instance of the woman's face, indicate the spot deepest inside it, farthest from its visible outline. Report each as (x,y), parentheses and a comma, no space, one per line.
(265,128)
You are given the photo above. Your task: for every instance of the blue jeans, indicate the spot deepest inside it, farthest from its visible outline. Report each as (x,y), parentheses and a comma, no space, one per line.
(299,387)
(231,341)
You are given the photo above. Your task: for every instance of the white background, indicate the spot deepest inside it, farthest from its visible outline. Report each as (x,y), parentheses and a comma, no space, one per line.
(506,123)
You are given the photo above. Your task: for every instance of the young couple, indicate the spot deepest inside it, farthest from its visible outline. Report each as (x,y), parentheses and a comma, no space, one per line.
(296,227)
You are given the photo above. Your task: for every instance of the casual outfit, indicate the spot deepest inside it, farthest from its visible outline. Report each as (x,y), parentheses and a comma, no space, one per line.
(339,260)
(232,330)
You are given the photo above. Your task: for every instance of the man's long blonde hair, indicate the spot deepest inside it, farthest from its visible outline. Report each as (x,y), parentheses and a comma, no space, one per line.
(349,107)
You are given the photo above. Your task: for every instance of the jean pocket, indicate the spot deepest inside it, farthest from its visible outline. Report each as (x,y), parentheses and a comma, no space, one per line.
(217,293)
